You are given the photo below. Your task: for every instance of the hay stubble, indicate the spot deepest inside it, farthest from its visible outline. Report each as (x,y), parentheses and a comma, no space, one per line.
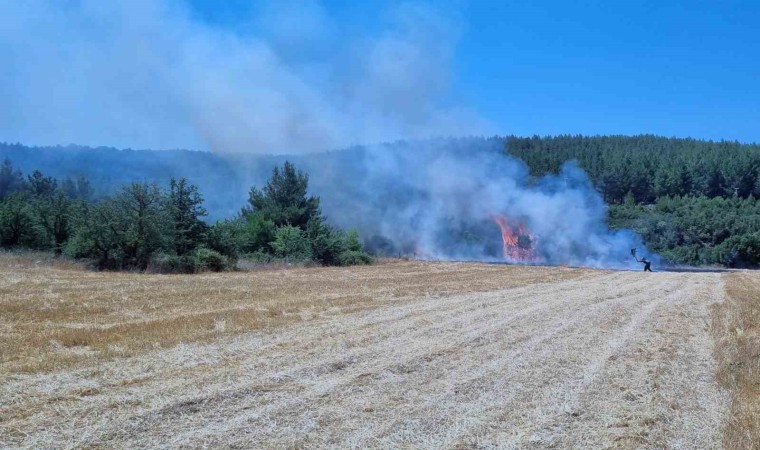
(396,355)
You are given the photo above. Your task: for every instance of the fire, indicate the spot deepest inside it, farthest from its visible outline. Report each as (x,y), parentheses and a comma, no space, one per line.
(518,243)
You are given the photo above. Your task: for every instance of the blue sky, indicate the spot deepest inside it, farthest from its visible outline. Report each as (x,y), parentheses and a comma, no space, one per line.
(674,68)
(283,76)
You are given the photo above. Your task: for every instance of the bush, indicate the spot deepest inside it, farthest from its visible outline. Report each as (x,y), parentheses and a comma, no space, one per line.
(353,258)
(207,259)
(201,260)
(740,251)
(78,246)
(327,243)
(259,257)
(353,243)
(257,233)
(291,244)
(16,222)
(226,238)
(171,264)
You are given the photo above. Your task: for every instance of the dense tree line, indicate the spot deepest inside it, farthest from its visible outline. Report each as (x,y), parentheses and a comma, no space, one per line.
(697,230)
(693,201)
(648,167)
(147,227)
(635,175)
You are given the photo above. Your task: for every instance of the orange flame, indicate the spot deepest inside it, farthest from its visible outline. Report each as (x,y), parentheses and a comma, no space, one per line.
(518,243)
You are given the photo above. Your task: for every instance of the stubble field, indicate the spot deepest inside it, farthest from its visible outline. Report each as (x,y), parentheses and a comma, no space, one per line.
(401,354)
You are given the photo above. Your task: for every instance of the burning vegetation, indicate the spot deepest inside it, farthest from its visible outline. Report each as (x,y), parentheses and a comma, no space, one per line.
(518,244)
(446,201)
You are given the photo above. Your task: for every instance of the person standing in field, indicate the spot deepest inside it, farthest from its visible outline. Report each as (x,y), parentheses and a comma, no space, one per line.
(647,264)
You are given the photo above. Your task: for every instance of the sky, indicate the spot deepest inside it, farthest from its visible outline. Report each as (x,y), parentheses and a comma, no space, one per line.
(283,76)
(673,68)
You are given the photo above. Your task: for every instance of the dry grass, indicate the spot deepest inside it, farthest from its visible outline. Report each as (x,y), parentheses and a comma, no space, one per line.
(402,355)
(54,313)
(736,328)
(25,259)
(396,355)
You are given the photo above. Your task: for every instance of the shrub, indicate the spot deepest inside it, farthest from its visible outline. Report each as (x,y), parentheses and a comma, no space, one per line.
(353,258)
(257,233)
(259,257)
(327,243)
(172,264)
(226,238)
(207,259)
(292,244)
(353,243)
(201,260)
(740,251)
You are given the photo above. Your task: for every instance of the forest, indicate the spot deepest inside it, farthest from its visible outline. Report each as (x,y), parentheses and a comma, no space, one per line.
(694,202)
(149,228)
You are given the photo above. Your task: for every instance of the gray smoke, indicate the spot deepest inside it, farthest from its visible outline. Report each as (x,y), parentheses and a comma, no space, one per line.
(291,80)
(438,200)
(287,78)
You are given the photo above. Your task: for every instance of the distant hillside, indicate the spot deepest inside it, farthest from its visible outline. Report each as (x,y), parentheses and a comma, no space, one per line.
(108,169)
(648,167)
(224,180)
(692,201)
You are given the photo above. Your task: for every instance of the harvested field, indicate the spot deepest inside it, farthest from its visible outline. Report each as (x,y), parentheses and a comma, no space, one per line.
(736,328)
(407,354)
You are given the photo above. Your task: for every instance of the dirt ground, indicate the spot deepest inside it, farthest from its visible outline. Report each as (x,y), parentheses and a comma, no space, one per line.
(408,354)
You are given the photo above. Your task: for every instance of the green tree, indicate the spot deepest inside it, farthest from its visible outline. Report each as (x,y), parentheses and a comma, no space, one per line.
(227,237)
(284,222)
(186,209)
(258,233)
(143,205)
(124,231)
(53,215)
(327,243)
(353,243)
(284,200)
(11,180)
(291,244)
(40,185)
(715,185)
(78,189)
(16,223)
(99,233)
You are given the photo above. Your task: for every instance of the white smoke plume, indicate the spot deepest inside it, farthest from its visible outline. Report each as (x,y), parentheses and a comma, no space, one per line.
(290,79)
(439,200)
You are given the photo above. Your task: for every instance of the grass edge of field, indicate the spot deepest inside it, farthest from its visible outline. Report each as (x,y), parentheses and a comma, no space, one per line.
(736,331)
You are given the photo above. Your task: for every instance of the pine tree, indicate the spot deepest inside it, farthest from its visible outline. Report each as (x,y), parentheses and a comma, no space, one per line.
(186,207)
(284,200)
(11,180)
(53,215)
(40,185)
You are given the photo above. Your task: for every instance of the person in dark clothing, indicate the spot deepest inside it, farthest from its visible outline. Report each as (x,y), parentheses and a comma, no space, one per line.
(647,264)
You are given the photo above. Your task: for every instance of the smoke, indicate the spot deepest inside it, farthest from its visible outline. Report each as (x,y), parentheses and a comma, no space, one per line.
(438,199)
(291,79)
(288,78)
